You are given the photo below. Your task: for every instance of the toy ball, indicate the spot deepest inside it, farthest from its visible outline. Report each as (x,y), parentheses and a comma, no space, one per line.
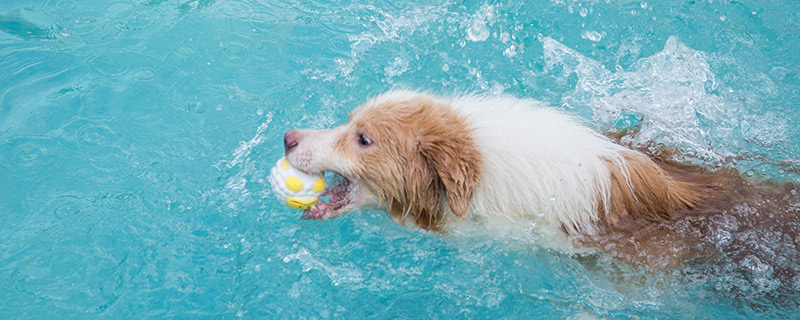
(295,188)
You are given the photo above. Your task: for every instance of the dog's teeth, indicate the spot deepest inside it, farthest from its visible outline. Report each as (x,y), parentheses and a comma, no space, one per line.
(339,194)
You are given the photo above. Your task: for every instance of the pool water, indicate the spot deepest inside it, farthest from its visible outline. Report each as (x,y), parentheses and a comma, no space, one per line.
(136,136)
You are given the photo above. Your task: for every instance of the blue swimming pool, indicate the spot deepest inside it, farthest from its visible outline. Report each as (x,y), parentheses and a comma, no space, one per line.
(136,136)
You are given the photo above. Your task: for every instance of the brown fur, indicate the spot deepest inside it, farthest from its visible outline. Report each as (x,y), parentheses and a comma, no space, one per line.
(664,239)
(644,191)
(423,154)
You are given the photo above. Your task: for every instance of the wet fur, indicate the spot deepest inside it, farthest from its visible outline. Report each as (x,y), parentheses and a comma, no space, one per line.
(425,163)
(687,234)
(438,160)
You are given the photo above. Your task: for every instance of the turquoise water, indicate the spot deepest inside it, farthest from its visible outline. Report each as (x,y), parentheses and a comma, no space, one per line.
(135,139)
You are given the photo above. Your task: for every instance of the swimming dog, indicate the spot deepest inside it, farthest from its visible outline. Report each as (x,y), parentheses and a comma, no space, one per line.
(428,160)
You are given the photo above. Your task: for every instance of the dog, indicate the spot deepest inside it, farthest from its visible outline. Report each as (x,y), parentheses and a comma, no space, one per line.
(432,161)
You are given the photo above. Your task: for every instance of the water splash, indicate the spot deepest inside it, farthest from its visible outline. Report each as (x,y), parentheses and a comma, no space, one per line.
(345,274)
(673,90)
(235,191)
(244,149)
(390,27)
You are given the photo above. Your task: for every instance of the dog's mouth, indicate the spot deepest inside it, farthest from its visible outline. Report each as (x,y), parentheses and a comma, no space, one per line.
(336,199)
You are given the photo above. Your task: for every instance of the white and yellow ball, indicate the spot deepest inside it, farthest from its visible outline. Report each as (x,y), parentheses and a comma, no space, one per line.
(295,188)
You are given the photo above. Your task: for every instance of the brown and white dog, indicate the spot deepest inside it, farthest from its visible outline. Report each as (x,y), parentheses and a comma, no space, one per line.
(444,162)
(427,160)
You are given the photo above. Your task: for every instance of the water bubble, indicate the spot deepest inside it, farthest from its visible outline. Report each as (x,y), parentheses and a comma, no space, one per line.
(757,266)
(477,31)
(511,51)
(584,12)
(505,37)
(591,35)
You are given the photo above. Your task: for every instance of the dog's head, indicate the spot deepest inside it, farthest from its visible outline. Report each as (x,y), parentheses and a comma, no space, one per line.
(404,152)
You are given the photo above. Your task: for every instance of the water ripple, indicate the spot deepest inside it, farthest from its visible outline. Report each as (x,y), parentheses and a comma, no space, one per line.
(143,74)
(28,154)
(108,63)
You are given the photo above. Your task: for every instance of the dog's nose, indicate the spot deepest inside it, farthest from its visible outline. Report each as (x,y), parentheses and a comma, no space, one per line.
(290,140)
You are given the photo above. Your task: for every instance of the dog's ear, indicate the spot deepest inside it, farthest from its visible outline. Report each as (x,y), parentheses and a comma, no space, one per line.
(453,159)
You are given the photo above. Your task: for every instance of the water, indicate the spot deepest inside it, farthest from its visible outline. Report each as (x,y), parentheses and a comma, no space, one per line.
(135,138)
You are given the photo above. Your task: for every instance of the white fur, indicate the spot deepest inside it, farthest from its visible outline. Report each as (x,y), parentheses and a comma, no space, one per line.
(537,161)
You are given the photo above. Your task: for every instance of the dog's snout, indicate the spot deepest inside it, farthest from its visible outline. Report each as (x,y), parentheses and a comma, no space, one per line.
(290,140)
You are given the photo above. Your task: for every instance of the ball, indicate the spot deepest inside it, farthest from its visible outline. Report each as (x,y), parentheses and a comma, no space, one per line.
(295,188)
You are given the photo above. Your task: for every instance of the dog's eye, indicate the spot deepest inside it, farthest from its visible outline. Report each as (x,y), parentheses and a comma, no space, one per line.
(364,140)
